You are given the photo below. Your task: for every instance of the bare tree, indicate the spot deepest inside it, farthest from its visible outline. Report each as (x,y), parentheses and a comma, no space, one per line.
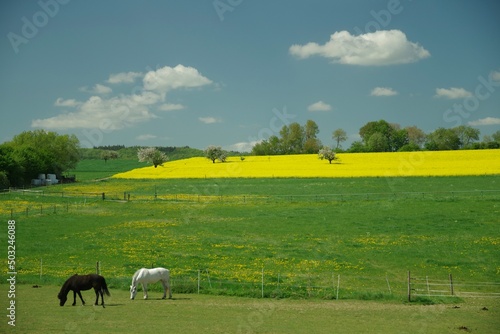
(340,136)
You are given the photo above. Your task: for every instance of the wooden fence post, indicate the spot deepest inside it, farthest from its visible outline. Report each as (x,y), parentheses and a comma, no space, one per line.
(451,285)
(262,286)
(199,278)
(409,287)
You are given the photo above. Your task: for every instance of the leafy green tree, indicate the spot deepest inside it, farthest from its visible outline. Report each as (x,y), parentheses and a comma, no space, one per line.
(311,143)
(10,168)
(467,135)
(108,154)
(39,151)
(496,136)
(357,147)
(292,138)
(381,142)
(399,139)
(416,137)
(442,139)
(378,143)
(152,155)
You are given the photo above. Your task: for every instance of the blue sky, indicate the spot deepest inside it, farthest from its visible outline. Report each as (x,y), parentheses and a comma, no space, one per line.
(233,72)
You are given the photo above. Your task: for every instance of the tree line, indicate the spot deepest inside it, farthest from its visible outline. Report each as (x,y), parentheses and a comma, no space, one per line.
(376,136)
(34,152)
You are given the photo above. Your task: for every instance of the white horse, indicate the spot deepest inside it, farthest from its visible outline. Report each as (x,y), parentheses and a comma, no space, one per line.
(145,276)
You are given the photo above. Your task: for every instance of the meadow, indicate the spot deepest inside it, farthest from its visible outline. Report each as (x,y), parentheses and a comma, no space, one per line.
(315,239)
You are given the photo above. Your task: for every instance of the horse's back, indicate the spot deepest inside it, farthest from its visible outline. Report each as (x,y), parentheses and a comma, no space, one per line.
(152,274)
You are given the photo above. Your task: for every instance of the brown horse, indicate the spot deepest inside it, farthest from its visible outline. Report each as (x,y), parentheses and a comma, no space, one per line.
(77,283)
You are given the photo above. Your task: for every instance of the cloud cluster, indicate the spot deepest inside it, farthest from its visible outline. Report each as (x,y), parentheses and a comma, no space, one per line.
(209,120)
(383,91)
(485,121)
(123,110)
(452,93)
(319,106)
(383,47)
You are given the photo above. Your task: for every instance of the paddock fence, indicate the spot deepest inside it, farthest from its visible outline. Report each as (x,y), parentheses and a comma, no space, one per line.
(431,287)
(270,283)
(256,199)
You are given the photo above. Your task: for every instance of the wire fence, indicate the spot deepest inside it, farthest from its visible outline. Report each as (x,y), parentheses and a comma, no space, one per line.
(269,283)
(52,202)
(432,287)
(257,199)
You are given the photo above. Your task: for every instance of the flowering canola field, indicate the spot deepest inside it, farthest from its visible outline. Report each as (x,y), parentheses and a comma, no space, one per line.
(391,164)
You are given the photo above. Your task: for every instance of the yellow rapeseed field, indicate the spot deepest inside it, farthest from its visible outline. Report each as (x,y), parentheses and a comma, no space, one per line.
(424,163)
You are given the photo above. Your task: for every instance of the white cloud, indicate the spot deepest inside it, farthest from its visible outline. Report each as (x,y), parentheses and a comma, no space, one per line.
(495,75)
(167,78)
(209,120)
(452,93)
(171,106)
(319,106)
(124,110)
(60,102)
(384,47)
(97,89)
(124,77)
(105,113)
(242,146)
(146,137)
(485,121)
(383,91)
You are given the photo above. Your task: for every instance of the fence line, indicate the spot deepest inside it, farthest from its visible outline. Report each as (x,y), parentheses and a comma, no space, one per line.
(194,198)
(426,287)
(85,198)
(269,283)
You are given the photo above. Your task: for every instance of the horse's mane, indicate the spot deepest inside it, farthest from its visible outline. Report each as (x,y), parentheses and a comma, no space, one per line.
(65,288)
(134,277)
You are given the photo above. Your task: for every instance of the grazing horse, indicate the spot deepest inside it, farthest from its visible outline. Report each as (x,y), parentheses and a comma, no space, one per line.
(145,276)
(77,283)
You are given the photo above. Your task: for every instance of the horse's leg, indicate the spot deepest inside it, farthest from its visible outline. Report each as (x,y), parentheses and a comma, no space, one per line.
(169,290)
(74,298)
(97,293)
(164,283)
(80,295)
(145,289)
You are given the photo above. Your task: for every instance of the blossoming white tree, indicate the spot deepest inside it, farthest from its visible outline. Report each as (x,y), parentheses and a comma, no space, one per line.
(151,155)
(327,153)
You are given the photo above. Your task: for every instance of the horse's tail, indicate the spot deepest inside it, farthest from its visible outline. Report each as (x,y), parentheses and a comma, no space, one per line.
(104,287)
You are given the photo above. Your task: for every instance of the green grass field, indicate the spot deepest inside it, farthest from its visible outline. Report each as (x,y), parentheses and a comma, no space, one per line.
(39,312)
(300,235)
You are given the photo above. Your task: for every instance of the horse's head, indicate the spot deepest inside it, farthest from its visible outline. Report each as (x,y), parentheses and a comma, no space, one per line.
(133,291)
(62,299)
